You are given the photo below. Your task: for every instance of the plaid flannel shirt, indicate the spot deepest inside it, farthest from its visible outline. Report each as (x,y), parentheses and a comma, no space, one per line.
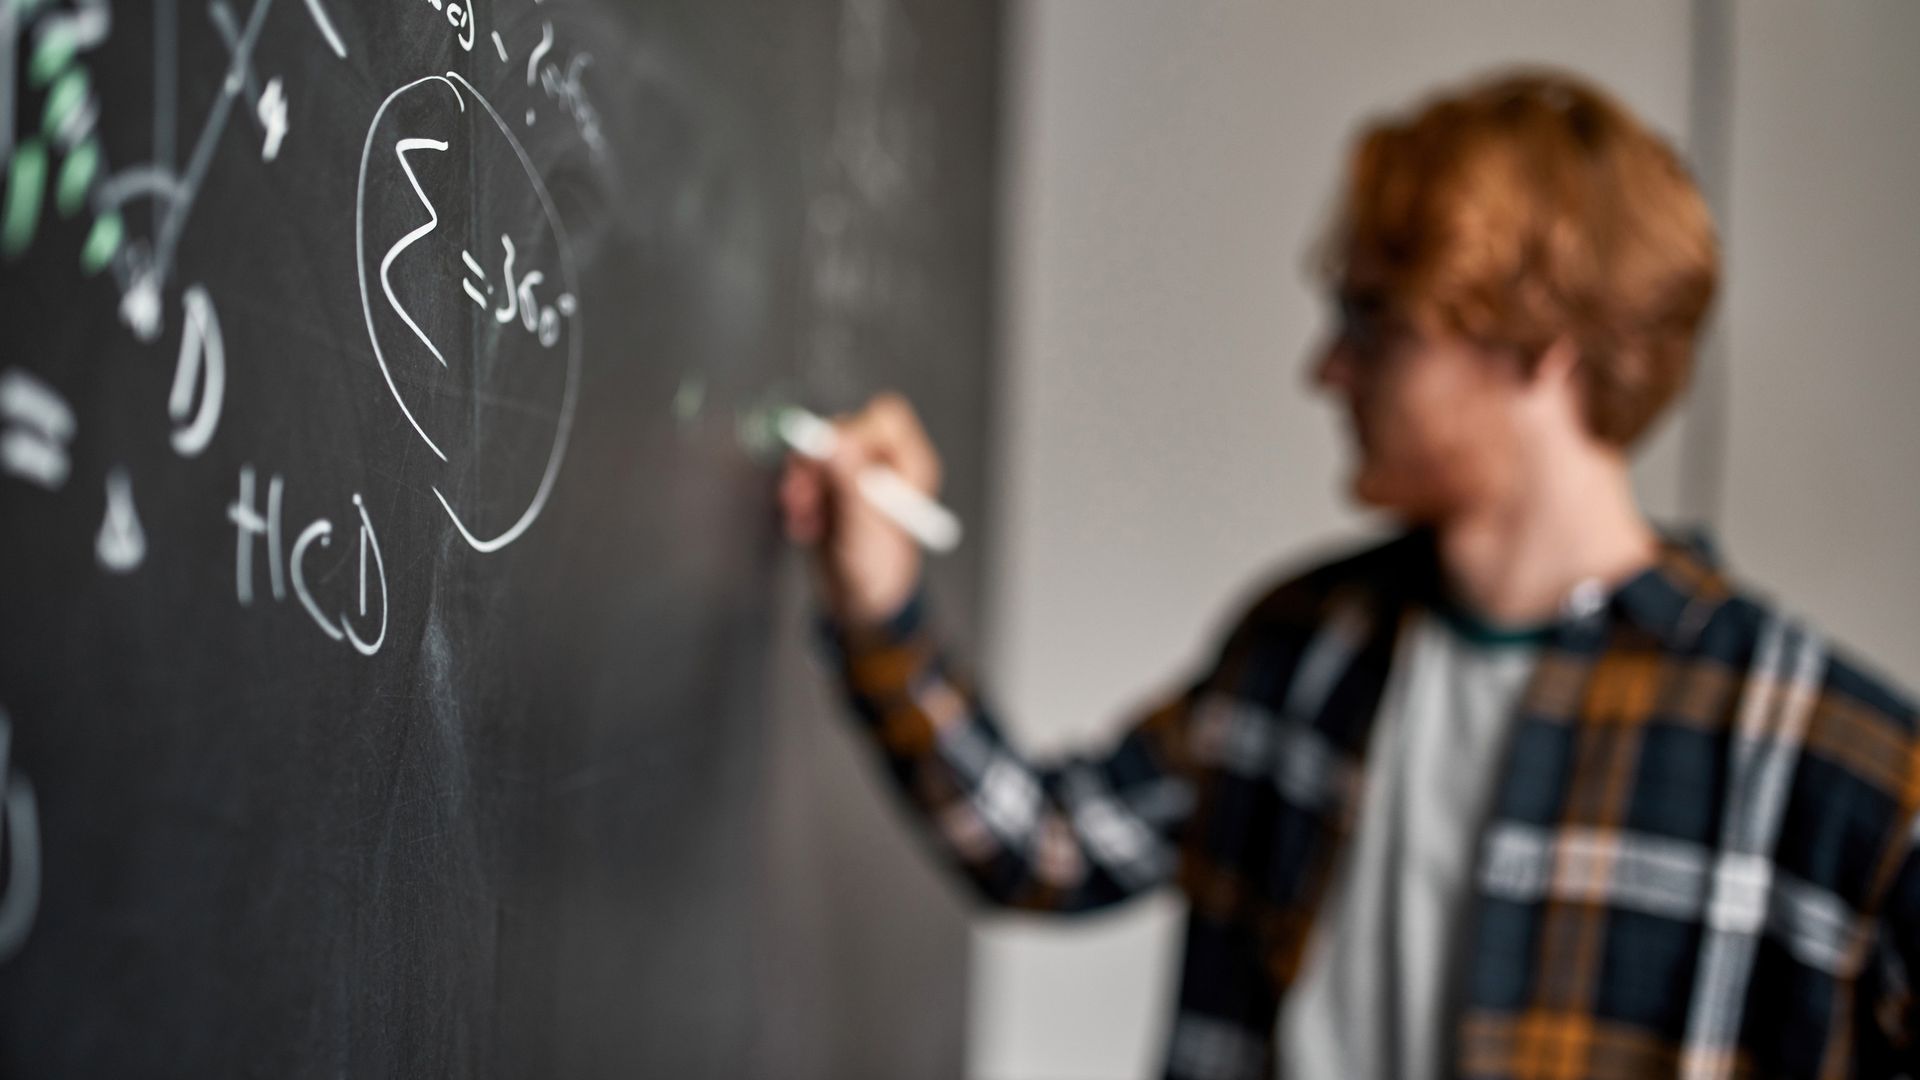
(1701,860)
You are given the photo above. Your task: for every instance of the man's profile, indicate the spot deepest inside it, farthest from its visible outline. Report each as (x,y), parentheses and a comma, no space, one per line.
(1531,789)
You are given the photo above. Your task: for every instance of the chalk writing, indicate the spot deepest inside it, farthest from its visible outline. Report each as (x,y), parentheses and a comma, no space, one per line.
(319,13)
(270,104)
(21,900)
(533,403)
(565,86)
(38,426)
(562,83)
(544,321)
(689,398)
(202,365)
(64,156)
(66,128)
(121,544)
(527,287)
(400,150)
(9,52)
(862,280)
(458,17)
(272,111)
(251,526)
(533,61)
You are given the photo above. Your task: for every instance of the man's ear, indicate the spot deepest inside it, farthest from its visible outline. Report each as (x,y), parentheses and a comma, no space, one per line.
(1557,364)
(1553,392)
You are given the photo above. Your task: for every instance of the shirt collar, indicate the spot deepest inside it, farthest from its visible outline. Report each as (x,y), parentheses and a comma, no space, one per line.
(1670,600)
(1674,598)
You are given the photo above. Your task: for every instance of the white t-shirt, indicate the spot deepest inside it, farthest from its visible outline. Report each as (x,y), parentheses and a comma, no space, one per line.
(1375,995)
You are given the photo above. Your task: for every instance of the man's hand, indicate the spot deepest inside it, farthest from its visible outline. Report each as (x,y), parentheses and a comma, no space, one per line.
(865,564)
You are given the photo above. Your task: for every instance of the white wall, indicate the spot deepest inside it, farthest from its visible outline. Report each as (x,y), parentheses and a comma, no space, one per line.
(1169,163)
(1822,499)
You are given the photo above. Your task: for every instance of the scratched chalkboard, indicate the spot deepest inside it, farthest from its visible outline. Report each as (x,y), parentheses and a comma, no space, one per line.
(389,579)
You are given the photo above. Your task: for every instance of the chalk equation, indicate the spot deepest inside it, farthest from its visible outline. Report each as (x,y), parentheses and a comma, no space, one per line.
(446,194)
(455,199)
(441,177)
(542,320)
(66,157)
(468,287)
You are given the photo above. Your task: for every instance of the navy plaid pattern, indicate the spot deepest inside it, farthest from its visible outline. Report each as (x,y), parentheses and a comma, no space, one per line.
(1703,859)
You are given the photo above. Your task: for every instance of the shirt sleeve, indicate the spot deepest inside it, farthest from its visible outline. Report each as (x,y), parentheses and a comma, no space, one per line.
(1069,835)
(1886,1045)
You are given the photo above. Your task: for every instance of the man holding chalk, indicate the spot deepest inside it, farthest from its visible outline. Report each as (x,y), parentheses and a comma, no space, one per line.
(1529,790)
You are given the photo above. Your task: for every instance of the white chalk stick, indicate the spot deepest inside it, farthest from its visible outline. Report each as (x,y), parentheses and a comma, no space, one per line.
(933,525)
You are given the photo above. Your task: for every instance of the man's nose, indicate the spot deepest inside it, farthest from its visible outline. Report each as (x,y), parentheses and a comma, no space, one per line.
(1331,370)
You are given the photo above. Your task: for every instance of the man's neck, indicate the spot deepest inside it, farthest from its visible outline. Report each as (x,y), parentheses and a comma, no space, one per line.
(1571,520)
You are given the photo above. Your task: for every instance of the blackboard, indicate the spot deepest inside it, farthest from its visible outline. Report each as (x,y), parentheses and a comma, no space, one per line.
(389,556)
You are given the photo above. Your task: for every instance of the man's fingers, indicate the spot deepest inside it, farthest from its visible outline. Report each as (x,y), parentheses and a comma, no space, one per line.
(913,454)
(866,564)
(802,501)
(888,431)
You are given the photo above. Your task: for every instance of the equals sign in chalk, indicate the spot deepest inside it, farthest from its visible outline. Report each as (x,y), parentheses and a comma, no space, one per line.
(35,427)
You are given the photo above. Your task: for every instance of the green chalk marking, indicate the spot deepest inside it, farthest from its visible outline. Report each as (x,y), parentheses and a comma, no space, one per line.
(26,182)
(68,94)
(688,399)
(102,242)
(51,54)
(754,427)
(76,177)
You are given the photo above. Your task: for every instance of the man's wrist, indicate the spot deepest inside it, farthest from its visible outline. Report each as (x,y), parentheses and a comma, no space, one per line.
(889,628)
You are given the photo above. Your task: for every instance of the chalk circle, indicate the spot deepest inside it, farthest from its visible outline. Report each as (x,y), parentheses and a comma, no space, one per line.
(491,399)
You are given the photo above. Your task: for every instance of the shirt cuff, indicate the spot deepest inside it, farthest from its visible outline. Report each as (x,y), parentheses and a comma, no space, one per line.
(882,663)
(847,640)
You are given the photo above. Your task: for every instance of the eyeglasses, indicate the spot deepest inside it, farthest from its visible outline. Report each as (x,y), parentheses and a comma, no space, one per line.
(1368,324)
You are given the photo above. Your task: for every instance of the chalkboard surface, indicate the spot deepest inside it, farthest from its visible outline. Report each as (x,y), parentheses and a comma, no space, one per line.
(387,571)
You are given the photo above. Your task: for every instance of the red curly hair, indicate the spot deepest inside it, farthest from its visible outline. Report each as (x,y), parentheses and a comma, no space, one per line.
(1525,209)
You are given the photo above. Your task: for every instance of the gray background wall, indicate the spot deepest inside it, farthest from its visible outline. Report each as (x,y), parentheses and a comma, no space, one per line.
(1168,166)
(1820,502)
